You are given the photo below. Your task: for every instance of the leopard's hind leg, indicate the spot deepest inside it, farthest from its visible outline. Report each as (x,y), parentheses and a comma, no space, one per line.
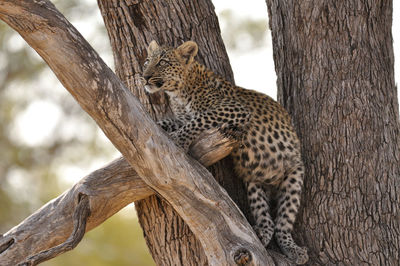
(287,208)
(260,209)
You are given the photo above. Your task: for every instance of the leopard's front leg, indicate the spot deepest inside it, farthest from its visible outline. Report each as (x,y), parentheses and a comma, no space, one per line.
(185,135)
(230,125)
(170,124)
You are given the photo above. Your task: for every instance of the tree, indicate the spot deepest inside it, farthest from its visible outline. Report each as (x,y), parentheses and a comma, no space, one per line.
(335,76)
(359,153)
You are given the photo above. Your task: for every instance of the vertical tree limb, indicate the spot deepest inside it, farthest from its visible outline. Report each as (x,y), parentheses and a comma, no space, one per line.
(334,64)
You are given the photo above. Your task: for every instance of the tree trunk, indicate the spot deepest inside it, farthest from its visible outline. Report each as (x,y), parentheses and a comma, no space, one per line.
(334,64)
(131,27)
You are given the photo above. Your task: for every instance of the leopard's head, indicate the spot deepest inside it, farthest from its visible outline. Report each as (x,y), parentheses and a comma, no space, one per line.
(167,68)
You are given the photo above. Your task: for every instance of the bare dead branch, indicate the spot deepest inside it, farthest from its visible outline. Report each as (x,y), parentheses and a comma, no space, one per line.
(109,189)
(81,214)
(5,243)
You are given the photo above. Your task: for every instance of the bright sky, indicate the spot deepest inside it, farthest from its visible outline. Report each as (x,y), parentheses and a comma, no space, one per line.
(254,69)
(33,131)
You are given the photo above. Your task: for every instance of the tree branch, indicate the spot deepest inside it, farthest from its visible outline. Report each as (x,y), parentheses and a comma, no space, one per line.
(109,189)
(81,215)
(212,216)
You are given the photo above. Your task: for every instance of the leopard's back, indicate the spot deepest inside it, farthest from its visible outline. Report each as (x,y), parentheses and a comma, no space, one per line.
(270,145)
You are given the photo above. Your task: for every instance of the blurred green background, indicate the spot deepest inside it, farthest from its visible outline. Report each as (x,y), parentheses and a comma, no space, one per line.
(48,142)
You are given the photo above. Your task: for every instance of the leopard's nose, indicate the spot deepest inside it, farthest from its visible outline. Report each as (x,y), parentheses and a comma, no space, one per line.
(146,76)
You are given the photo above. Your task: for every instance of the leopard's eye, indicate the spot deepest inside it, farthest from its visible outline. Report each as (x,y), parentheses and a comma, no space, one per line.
(163,63)
(146,62)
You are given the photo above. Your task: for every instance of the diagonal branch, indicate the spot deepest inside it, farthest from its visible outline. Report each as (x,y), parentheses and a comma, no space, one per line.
(212,216)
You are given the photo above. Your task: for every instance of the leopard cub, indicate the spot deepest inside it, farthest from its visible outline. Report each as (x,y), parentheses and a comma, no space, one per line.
(268,155)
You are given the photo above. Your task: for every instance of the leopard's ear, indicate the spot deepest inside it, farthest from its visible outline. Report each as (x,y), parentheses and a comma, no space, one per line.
(187,51)
(152,47)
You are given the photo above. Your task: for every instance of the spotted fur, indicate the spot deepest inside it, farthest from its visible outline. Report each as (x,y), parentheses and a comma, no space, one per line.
(268,156)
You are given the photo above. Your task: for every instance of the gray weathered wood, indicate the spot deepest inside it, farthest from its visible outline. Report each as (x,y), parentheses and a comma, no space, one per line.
(109,189)
(80,217)
(182,181)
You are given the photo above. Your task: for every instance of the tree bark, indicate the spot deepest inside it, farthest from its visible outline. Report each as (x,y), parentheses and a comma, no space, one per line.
(131,27)
(220,227)
(334,64)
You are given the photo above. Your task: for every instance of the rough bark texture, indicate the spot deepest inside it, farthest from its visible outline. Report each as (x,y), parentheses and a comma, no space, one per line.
(220,227)
(335,76)
(131,26)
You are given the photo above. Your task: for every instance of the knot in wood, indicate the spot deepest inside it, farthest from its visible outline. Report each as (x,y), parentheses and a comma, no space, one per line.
(242,257)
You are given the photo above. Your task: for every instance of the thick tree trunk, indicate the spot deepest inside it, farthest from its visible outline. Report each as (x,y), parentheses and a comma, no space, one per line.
(131,27)
(335,76)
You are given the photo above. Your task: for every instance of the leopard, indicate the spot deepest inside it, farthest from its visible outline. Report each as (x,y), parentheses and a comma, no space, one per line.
(267,156)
